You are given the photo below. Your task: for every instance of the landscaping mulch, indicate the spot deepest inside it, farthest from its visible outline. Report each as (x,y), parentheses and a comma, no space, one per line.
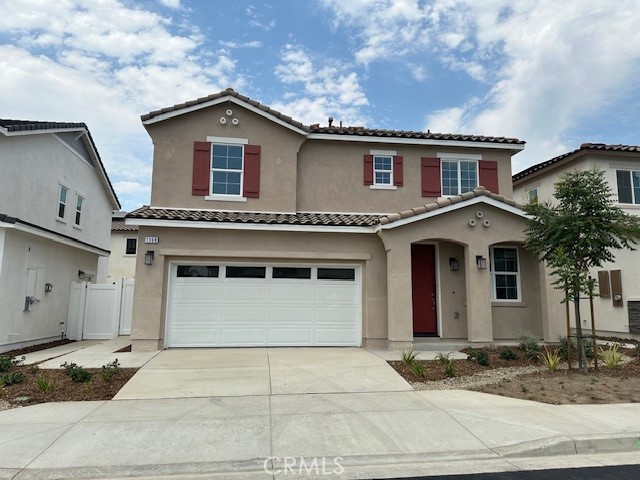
(64,389)
(35,348)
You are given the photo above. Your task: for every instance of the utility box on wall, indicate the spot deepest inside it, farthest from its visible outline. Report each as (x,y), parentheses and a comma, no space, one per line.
(34,288)
(634,315)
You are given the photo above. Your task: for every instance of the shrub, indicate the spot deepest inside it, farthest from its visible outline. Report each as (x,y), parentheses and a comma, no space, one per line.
(76,373)
(611,357)
(588,347)
(530,344)
(551,360)
(444,357)
(417,369)
(6,362)
(44,383)
(508,354)
(110,369)
(409,356)
(11,378)
(449,369)
(482,357)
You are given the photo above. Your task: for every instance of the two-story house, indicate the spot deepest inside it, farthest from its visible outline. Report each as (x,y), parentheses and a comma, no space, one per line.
(265,231)
(617,304)
(55,218)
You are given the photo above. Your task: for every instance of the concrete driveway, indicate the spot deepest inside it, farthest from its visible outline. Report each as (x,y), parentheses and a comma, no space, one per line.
(225,372)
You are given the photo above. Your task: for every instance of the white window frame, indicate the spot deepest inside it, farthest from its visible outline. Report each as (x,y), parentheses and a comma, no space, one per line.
(125,247)
(383,153)
(59,202)
(222,196)
(630,171)
(533,189)
(81,211)
(457,158)
(493,273)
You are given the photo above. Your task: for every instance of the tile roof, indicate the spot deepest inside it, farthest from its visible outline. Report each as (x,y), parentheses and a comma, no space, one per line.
(583,147)
(313,219)
(376,132)
(323,219)
(24,125)
(118,225)
(30,125)
(334,130)
(445,202)
(228,92)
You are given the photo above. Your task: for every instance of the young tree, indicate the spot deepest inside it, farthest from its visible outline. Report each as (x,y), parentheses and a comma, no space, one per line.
(579,231)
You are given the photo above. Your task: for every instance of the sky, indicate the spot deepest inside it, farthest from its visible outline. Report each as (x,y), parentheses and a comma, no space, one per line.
(553,73)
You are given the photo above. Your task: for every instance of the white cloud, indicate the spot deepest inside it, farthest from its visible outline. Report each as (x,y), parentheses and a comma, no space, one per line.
(329,89)
(175,4)
(233,44)
(256,20)
(545,65)
(105,63)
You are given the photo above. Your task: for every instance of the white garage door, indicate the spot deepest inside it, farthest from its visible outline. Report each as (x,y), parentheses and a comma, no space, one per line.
(257,305)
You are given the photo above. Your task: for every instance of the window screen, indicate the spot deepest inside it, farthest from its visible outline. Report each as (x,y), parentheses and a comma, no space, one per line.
(336,274)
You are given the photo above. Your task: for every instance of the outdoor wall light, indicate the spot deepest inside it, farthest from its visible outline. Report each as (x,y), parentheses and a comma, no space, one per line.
(48,287)
(148,257)
(454,265)
(481,262)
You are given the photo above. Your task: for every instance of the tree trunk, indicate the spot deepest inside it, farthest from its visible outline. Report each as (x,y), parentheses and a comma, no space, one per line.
(582,358)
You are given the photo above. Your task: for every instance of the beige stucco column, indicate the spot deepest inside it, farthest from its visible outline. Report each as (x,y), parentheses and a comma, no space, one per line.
(399,302)
(147,325)
(478,285)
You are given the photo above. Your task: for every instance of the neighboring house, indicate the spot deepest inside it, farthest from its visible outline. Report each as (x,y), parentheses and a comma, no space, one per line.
(55,215)
(124,247)
(265,231)
(617,306)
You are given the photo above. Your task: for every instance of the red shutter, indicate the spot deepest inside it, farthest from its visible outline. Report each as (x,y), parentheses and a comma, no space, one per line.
(489,175)
(251,186)
(368,169)
(430,177)
(201,168)
(397,171)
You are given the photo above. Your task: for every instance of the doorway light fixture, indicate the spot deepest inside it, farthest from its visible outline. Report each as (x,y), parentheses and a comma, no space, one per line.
(454,265)
(481,262)
(148,257)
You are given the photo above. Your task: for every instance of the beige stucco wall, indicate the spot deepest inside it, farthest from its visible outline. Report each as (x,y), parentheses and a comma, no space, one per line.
(173,158)
(453,226)
(269,247)
(330,176)
(47,318)
(121,264)
(452,292)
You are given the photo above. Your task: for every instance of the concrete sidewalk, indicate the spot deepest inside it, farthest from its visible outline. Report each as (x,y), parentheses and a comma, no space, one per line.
(375,434)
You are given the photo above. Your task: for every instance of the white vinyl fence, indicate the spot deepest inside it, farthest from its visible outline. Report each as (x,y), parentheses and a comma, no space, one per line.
(100,311)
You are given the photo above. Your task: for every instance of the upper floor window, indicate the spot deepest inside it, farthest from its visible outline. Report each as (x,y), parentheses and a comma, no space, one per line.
(459,176)
(532,195)
(226,169)
(131,246)
(62,201)
(382,170)
(505,273)
(628,186)
(79,203)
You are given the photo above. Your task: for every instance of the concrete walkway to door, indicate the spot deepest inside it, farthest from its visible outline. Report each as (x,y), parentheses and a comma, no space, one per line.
(224,372)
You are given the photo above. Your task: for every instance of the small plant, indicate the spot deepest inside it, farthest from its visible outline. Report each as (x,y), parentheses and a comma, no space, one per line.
(7,362)
(611,357)
(110,369)
(444,357)
(482,357)
(44,383)
(34,369)
(76,373)
(11,378)
(89,385)
(449,369)
(551,360)
(523,389)
(417,369)
(408,356)
(530,344)
(638,351)
(588,348)
(508,354)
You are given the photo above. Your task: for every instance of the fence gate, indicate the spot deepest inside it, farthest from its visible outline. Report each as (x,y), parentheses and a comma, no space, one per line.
(100,311)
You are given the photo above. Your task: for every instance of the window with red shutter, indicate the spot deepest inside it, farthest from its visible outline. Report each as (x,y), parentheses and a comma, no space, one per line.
(201,168)
(398,171)
(430,175)
(368,170)
(251,184)
(488,173)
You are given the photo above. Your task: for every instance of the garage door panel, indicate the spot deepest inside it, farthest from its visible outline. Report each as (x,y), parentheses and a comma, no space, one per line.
(244,293)
(283,311)
(243,335)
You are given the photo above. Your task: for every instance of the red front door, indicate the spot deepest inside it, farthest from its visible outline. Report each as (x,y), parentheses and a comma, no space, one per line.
(423,289)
